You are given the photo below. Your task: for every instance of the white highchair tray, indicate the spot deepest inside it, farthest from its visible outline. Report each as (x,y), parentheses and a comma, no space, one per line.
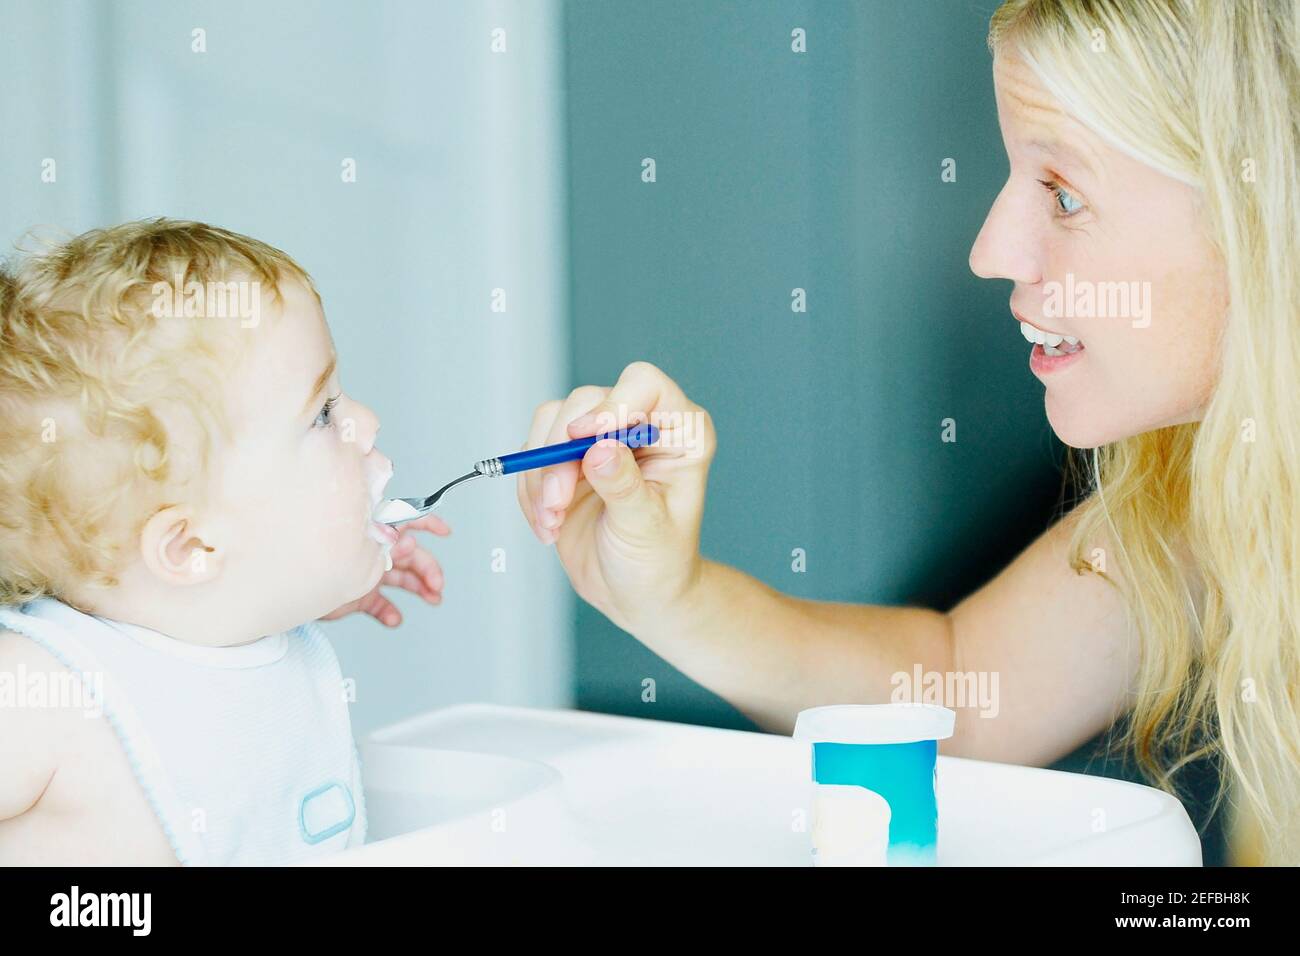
(487,784)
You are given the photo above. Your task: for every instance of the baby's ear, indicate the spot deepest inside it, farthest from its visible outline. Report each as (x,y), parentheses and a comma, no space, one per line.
(173,549)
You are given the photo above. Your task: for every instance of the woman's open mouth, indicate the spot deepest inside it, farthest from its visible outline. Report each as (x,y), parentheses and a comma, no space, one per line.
(1042,361)
(1051,351)
(1052,343)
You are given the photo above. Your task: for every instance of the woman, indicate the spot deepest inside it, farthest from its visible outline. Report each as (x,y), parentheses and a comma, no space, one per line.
(1151,216)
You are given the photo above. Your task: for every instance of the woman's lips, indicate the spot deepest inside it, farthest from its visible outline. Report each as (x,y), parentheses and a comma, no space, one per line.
(1040,363)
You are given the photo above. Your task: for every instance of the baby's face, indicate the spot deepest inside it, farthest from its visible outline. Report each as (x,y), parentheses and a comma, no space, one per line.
(298,486)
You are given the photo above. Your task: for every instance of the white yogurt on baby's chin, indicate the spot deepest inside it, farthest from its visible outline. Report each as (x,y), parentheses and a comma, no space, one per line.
(385,512)
(378,536)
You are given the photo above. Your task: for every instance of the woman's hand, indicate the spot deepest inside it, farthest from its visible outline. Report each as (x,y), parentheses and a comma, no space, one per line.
(414,570)
(626,524)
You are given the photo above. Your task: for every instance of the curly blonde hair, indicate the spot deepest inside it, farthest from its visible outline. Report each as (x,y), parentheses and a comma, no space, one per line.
(109,404)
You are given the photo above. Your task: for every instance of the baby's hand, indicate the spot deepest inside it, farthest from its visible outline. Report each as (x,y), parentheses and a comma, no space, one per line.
(414,569)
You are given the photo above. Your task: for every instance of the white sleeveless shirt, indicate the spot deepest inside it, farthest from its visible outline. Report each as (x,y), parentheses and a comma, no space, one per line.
(245,753)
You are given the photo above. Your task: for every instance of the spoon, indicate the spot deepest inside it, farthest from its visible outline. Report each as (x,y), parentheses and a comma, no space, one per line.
(396,510)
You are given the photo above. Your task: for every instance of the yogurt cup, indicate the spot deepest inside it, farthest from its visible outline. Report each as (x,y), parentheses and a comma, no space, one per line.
(891,750)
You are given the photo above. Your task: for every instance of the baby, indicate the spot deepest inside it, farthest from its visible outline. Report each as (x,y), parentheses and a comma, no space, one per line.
(184,489)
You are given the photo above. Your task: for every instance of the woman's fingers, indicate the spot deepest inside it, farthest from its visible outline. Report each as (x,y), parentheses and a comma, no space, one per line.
(526,489)
(686,443)
(680,457)
(556,482)
(641,387)
(544,493)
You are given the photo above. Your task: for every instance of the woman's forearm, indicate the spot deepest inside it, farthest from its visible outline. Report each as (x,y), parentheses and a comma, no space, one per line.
(771,655)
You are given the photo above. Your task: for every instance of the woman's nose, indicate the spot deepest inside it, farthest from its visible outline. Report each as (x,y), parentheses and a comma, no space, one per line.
(1004,248)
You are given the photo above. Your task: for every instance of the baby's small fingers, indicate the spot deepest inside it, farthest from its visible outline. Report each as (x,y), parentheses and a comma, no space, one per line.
(403,578)
(419,574)
(429,522)
(427,567)
(421,562)
(382,609)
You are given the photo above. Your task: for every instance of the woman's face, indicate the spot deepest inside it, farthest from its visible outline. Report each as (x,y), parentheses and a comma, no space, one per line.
(1108,251)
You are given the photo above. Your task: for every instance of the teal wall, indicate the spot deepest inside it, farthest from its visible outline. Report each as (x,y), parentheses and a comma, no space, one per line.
(820,170)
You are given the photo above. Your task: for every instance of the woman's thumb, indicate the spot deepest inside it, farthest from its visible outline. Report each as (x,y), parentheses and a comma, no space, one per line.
(611,470)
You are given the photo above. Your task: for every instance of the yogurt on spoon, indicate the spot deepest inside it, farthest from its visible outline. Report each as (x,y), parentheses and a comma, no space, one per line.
(393,509)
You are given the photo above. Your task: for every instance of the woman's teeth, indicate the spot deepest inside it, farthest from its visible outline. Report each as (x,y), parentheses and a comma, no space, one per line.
(1052,343)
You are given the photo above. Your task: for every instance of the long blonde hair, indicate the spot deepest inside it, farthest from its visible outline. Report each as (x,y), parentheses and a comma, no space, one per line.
(1208,92)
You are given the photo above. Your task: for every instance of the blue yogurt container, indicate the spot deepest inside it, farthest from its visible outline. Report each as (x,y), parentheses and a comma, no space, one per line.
(891,749)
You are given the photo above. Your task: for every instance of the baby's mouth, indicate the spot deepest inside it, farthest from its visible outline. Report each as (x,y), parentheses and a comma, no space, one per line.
(383,534)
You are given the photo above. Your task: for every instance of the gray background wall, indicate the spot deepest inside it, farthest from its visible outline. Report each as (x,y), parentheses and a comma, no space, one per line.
(820,170)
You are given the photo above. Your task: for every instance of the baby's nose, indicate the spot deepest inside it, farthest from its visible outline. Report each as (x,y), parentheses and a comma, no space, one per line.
(380,474)
(368,435)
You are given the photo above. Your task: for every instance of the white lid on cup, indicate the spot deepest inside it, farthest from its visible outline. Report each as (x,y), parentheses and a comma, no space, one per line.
(874,723)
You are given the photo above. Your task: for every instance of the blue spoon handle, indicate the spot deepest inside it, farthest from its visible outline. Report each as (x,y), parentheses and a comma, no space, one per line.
(635,437)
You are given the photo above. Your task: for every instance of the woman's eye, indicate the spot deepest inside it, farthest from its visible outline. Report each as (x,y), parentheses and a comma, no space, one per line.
(323,417)
(1066,204)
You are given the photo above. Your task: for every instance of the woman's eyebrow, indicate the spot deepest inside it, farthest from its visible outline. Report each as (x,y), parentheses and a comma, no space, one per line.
(1061,151)
(321,379)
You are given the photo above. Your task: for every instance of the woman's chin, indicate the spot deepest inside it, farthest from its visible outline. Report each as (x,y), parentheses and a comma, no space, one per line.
(1075,427)
(1074,440)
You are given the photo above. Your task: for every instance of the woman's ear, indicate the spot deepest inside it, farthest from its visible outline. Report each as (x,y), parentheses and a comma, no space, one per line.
(173,548)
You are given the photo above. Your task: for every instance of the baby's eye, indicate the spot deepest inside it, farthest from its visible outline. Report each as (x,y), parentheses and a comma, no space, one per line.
(1066,204)
(323,417)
